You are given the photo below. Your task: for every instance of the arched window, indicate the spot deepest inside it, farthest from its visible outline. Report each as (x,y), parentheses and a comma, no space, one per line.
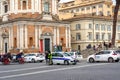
(24,3)
(46,7)
(6,8)
(5,4)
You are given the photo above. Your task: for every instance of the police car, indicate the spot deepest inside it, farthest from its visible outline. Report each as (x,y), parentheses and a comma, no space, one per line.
(61,58)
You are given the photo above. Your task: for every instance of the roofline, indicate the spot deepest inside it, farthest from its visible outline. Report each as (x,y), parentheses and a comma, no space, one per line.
(33,20)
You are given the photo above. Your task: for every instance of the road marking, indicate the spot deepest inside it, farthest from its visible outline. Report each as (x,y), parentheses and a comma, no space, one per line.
(24,69)
(38,72)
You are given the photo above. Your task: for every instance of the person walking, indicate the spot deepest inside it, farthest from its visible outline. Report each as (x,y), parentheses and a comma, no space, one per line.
(46,56)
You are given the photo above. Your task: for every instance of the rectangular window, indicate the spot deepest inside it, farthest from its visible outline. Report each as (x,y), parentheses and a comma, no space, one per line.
(103,35)
(118,36)
(82,9)
(77,10)
(103,27)
(72,11)
(78,36)
(97,27)
(97,36)
(108,28)
(46,7)
(89,35)
(118,28)
(88,8)
(90,26)
(78,26)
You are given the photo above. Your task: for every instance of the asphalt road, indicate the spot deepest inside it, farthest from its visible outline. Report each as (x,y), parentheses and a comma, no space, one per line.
(41,71)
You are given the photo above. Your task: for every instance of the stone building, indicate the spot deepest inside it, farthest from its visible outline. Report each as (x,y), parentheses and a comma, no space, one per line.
(91,22)
(32,26)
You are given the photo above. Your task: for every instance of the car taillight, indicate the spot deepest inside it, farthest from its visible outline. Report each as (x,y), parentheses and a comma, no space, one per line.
(114,54)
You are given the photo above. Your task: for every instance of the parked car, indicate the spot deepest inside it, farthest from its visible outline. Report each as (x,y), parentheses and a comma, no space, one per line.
(118,51)
(104,55)
(76,55)
(61,58)
(34,57)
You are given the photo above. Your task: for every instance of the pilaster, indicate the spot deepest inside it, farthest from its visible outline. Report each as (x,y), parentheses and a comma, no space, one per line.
(26,37)
(54,40)
(66,31)
(58,36)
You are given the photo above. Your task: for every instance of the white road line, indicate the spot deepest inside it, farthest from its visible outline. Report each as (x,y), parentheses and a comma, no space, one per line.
(38,72)
(24,69)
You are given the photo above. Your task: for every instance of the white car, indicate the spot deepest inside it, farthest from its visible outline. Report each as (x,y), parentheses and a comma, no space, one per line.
(61,58)
(34,57)
(76,55)
(104,55)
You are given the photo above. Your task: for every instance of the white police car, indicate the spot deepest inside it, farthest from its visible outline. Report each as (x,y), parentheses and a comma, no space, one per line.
(61,58)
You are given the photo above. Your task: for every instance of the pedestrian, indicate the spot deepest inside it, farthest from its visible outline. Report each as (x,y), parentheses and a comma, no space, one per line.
(46,56)
(50,58)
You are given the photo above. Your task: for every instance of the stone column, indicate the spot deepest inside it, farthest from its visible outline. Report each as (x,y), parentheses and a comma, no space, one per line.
(58,36)
(10,37)
(18,37)
(26,37)
(54,40)
(97,10)
(16,6)
(69,37)
(39,6)
(66,31)
(33,5)
(21,36)
(1,8)
(40,32)
(36,35)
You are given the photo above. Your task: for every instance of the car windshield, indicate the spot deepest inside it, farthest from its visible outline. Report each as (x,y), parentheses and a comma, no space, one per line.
(66,54)
(71,53)
(31,55)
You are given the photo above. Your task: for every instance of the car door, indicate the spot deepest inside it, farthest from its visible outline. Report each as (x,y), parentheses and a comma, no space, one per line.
(105,55)
(54,58)
(60,58)
(98,56)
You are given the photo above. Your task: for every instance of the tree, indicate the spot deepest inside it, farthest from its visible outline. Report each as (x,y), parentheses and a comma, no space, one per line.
(116,9)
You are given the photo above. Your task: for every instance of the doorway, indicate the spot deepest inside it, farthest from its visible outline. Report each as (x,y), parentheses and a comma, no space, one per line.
(47,44)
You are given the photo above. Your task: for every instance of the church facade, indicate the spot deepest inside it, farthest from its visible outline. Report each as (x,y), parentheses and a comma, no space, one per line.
(32,26)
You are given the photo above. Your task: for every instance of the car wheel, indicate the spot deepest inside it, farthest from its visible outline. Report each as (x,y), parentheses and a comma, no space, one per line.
(41,61)
(66,62)
(74,63)
(110,60)
(91,60)
(33,60)
(117,60)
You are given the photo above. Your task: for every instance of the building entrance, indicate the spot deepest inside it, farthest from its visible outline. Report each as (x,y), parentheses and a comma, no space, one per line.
(47,44)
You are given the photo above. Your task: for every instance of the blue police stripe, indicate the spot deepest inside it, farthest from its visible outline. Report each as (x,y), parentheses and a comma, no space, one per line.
(60,59)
